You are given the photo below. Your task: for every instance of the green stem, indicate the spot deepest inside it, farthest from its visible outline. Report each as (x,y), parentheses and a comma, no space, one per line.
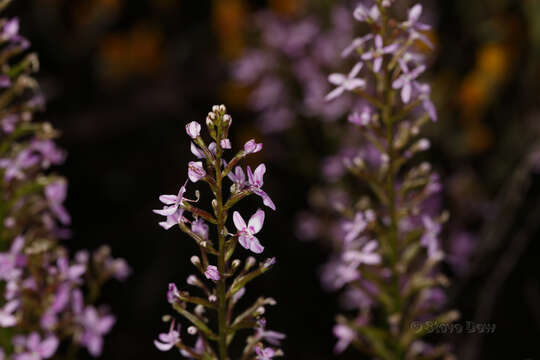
(221,286)
(393,240)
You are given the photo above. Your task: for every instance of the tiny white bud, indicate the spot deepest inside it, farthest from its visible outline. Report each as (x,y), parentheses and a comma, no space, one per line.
(222,108)
(209,122)
(227,119)
(415,130)
(192,280)
(215,108)
(235,263)
(250,262)
(192,330)
(195,260)
(212,298)
(199,310)
(260,310)
(423,144)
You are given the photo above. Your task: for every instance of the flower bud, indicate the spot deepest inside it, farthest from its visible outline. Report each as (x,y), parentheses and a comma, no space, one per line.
(195,260)
(192,280)
(193,129)
(192,330)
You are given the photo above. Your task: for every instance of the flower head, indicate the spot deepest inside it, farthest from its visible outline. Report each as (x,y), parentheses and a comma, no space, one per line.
(212,273)
(193,129)
(196,171)
(344,83)
(166,341)
(246,233)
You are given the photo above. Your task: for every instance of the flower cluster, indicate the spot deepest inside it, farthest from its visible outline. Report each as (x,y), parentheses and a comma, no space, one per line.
(46,297)
(299,52)
(213,318)
(387,218)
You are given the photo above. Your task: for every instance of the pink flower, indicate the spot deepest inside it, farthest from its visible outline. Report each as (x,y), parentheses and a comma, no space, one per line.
(225,143)
(252,147)
(95,327)
(212,273)
(37,349)
(378,52)
(193,129)
(264,354)
(404,82)
(196,171)
(173,202)
(345,336)
(345,82)
(7,319)
(246,233)
(366,256)
(238,177)
(255,180)
(168,340)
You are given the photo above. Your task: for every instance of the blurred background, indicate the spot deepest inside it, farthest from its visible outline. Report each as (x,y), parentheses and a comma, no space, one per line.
(122,78)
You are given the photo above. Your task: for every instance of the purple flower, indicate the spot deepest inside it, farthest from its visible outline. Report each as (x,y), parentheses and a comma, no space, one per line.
(8,123)
(264,354)
(172,293)
(430,238)
(272,337)
(95,327)
(366,256)
(246,233)
(362,118)
(200,228)
(193,129)
(355,227)
(172,202)
(10,29)
(36,349)
(252,147)
(362,13)
(7,318)
(412,21)
(238,177)
(404,82)
(378,52)
(71,273)
(345,82)
(345,336)
(196,171)
(172,220)
(168,340)
(14,167)
(49,152)
(225,144)
(9,261)
(255,180)
(425,92)
(212,273)
(356,44)
(56,194)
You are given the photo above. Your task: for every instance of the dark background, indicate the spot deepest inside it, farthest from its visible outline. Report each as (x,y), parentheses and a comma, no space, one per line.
(123,78)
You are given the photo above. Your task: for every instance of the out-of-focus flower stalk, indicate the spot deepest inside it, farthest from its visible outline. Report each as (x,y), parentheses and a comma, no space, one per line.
(227,280)
(389,253)
(46,298)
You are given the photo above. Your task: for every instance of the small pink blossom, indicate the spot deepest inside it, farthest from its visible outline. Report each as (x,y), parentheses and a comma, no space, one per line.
(345,82)
(246,233)
(193,129)
(252,147)
(196,171)
(212,273)
(166,341)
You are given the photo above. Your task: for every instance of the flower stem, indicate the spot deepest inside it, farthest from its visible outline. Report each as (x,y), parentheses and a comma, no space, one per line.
(221,286)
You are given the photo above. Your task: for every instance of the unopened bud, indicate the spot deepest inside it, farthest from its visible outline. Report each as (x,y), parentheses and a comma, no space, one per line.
(192,330)
(250,262)
(192,280)
(212,298)
(195,260)
(222,108)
